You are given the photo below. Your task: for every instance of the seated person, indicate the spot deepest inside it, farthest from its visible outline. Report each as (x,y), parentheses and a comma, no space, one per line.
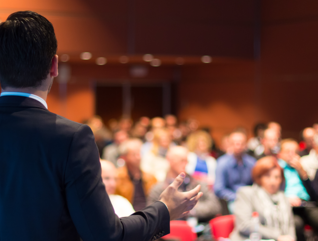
(133,183)
(298,188)
(308,138)
(121,205)
(270,144)
(233,170)
(207,207)
(265,198)
(111,152)
(200,164)
(154,162)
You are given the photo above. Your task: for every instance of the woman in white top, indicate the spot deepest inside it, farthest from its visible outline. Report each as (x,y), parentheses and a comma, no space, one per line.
(121,205)
(200,164)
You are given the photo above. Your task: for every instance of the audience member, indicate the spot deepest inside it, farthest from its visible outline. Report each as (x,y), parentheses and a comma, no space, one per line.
(125,124)
(200,164)
(121,205)
(265,198)
(233,170)
(276,127)
(207,207)
(298,187)
(101,133)
(308,137)
(111,152)
(154,161)
(270,144)
(310,164)
(157,123)
(256,141)
(133,183)
(139,131)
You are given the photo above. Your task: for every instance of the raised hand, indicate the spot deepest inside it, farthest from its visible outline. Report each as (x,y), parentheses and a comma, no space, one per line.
(179,203)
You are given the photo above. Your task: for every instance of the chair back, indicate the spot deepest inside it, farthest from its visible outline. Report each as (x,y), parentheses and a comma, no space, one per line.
(180,230)
(222,227)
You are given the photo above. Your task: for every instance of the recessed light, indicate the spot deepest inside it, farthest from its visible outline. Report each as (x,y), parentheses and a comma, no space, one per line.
(65,57)
(101,61)
(86,55)
(148,57)
(206,59)
(155,62)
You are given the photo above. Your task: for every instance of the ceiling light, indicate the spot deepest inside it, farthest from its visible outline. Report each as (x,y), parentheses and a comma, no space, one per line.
(101,61)
(148,57)
(155,62)
(206,59)
(86,55)
(65,57)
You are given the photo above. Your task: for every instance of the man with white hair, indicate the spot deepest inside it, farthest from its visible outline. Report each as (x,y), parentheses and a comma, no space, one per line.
(121,205)
(270,144)
(308,137)
(133,183)
(207,207)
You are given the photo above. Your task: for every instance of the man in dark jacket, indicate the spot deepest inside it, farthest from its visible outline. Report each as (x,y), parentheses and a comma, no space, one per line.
(50,174)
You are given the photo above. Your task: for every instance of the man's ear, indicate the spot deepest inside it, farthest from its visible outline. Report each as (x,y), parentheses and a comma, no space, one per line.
(54,72)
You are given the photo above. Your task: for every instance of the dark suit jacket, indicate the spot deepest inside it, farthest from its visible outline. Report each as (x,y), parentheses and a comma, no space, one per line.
(50,182)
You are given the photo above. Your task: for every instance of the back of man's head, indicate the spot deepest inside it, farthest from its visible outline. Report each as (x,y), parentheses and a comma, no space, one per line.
(27,47)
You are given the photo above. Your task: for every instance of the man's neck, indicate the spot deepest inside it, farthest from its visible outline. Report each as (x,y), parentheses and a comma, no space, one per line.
(35,91)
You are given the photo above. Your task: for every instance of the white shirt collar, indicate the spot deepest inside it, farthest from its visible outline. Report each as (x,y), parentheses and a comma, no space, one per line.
(32,96)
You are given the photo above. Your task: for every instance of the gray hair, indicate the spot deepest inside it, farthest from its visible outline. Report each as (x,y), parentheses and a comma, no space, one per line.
(129,145)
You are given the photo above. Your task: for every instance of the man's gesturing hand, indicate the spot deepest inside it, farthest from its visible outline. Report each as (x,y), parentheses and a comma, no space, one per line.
(179,203)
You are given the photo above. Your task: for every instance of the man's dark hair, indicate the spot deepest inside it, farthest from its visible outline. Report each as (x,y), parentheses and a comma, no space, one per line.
(27,47)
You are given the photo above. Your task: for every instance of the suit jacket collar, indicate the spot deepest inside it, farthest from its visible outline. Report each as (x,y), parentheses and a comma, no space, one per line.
(19,101)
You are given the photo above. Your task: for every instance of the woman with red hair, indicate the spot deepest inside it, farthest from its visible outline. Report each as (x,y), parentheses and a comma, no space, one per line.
(265,198)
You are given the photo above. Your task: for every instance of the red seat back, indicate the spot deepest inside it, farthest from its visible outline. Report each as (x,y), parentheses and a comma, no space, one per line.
(222,227)
(180,230)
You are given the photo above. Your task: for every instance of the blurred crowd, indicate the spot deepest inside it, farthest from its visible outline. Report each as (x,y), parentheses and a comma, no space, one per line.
(275,177)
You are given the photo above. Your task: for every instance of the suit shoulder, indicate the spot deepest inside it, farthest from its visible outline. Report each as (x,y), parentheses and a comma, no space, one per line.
(69,125)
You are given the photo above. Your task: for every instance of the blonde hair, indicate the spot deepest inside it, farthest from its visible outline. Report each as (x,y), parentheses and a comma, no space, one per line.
(156,139)
(192,140)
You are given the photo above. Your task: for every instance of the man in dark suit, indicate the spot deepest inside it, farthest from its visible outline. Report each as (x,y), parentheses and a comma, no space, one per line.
(50,175)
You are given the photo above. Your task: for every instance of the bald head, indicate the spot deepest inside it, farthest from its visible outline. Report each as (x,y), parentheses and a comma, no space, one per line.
(276,127)
(109,176)
(270,140)
(177,156)
(237,143)
(308,136)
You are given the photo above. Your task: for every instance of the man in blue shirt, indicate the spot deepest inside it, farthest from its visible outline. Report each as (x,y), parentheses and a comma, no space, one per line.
(233,170)
(298,188)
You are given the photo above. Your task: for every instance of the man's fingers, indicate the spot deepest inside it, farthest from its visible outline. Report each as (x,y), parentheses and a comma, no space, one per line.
(192,193)
(178,181)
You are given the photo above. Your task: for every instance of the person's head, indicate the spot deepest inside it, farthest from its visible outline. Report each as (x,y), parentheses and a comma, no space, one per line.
(125,124)
(270,140)
(308,136)
(120,136)
(130,152)
(268,174)
(139,130)
(109,176)
(276,127)
(288,150)
(259,129)
(162,138)
(177,157)
(27,52)
(157,123)
(237,143)
(199,142)
(171,120)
